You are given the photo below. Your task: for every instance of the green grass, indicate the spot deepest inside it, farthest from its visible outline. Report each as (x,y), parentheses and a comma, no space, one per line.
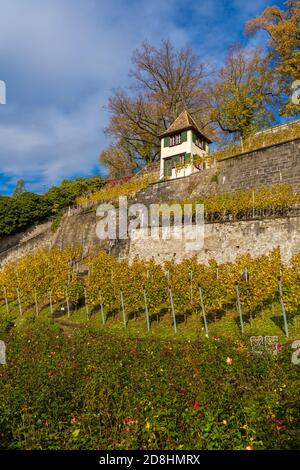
(268,321)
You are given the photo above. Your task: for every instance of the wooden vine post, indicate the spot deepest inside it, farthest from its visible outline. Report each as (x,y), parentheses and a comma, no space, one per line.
(146,309)
(101,307)
(191,287)
(6,300)
(239,307)
(203,311)
(19,301)
(173,310)
(36,303)
(86,305)
(286,328)
(50,301)
(123,308)
(67,300)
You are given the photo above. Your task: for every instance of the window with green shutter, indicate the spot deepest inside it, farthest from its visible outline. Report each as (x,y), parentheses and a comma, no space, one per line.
(174,139)
(187,158)
(199,141)
(183,136)
(171,162)
(167,141)
(167,167)
(176,159)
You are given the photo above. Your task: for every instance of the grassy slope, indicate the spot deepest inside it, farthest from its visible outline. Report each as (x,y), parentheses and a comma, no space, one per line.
(112,389)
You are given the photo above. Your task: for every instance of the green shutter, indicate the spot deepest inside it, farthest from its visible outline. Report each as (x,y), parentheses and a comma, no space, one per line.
(167,168)
(183,136)
(187,158)
(194,136)
(176,160)
(167,141)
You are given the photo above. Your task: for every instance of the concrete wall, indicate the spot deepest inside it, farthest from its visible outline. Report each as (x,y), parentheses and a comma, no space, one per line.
(40,236)
(222,241)
(226,241)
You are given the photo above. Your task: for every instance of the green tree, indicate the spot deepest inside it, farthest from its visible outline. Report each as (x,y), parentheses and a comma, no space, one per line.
(24,208)
(20,187)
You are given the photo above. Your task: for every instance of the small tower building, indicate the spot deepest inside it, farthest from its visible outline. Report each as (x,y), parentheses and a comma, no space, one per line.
(182,144)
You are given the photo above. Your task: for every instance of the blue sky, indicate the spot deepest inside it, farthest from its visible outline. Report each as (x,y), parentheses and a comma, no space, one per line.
(61,59)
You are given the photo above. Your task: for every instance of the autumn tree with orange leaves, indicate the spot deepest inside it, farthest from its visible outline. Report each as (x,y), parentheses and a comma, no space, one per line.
(283,29)
(244,95)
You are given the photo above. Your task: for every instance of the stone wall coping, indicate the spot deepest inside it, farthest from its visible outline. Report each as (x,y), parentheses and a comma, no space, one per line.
(259,149)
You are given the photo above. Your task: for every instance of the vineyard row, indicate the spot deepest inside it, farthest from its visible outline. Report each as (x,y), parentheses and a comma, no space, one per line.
(49,277)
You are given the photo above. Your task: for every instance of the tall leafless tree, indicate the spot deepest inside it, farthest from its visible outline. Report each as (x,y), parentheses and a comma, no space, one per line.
(165,82)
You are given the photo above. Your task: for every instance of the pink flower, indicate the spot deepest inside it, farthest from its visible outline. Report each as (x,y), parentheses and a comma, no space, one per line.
(128,421)
(51,373)
(196,406)
(249,448)
(279,346)
(52,353)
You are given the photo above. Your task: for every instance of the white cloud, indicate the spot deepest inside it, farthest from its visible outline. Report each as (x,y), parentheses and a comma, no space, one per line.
(252,8)
(64,40)
(19,139)
(61,144)
(60,61)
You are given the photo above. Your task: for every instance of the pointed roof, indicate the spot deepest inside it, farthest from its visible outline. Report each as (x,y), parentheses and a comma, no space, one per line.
(183,122)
